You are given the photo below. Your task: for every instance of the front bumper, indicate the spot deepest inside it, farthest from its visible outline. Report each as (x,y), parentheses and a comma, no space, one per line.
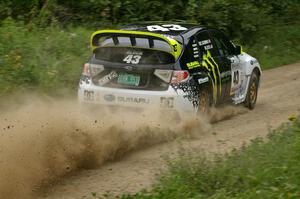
(171,99)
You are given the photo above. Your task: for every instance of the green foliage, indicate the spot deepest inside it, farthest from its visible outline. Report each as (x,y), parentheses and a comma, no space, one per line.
(261,170)
(276,46)
(43,43)
(235,16)
(48,59)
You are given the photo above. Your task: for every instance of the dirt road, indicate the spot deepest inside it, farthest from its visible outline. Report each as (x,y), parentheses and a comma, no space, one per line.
(47,151)
(279,97)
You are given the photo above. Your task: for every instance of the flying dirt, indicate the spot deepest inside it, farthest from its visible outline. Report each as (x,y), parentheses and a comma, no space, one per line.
(50,149)
(43,140)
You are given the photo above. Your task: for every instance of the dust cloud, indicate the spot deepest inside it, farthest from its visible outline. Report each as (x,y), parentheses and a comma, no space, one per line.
(225,113)
(44,139)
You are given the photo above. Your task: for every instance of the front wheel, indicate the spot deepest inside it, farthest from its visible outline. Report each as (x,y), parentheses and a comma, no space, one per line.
(251,97)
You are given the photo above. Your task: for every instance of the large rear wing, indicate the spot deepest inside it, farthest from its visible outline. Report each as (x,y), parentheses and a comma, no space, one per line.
(117,38)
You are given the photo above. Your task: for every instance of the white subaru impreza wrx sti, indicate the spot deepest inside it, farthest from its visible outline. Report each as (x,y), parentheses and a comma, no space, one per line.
(179,67)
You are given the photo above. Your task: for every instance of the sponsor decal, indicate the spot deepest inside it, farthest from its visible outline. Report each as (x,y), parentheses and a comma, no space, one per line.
(109,97)
(88,95)
(130,52)
(193,65)
(208,47)
(203,80)
(166,28)
(134,100)
(236,77)
(195,49)
(235,81)
(204,42)
(214,74)
(107,78)
(122,99)
(167,102)
(168,36)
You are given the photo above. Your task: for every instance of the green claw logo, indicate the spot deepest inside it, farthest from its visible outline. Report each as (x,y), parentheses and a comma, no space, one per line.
(214,74)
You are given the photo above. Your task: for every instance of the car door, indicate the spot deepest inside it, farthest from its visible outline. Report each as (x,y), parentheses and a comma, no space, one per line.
(224,53)
(218,66)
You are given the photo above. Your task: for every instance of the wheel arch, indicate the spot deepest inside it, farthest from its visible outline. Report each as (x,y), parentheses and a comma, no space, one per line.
(257,71)
(207,85)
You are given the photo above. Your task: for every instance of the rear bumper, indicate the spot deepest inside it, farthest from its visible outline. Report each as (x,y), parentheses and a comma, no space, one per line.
(170,99)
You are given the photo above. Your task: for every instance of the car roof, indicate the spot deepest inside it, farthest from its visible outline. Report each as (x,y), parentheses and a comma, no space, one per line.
(189,28)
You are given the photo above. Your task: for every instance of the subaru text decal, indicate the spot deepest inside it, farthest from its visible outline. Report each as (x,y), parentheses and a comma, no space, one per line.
(109,97)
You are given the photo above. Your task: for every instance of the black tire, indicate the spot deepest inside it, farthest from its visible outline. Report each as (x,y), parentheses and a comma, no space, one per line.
(251,97)
(204,102)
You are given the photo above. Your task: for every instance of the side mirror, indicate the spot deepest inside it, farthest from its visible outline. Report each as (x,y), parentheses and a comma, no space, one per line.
(238,50)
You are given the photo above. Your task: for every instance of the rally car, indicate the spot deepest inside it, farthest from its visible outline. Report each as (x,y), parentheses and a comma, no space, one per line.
(181,67)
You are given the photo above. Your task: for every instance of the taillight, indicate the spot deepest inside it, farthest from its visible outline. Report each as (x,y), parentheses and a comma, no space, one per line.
(171,76)
(92,69)
(86,69)
(180,76)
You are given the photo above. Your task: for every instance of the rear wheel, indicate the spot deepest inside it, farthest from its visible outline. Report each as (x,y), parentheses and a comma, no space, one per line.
(251,97)
(203,102)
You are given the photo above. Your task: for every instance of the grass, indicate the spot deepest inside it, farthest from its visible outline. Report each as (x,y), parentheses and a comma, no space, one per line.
(276,45)
(46,60)
(49,60)
(261,170)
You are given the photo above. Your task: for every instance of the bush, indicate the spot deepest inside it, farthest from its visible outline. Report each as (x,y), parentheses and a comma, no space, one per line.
(48,59)
(238,17)
(276,46)
(43,44)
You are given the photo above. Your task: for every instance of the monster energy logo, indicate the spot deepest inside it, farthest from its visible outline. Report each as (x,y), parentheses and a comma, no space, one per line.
(214,74)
